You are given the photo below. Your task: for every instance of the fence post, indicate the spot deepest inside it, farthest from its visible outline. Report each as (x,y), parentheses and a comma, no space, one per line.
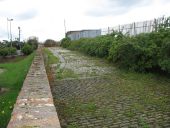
(155,23)
(108,30)
(134,29)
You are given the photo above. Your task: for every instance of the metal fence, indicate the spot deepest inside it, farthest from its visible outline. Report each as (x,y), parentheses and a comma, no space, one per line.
(139,27)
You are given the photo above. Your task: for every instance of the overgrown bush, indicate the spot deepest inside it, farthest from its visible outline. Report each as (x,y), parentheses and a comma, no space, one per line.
(51,43)
(33,41)
(7,51)
(98,46)
(27,49)
(142,53)
(164,58)
(65,42)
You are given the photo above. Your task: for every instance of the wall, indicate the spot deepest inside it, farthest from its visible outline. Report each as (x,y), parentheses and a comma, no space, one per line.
(34,106)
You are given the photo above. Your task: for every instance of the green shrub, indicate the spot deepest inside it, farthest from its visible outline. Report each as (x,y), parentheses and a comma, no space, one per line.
(12,51)
(27,49)
(164,58)
(7,51)
(4,51)
(51,43)
(65,42)
(144,52)
(33,41)
(98,46)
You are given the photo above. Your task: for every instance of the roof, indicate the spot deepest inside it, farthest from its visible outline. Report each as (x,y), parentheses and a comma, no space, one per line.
(69,32)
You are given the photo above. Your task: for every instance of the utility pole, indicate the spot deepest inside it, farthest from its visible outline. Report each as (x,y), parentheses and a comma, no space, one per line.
(10,30)
(19,29)
(7,29)
(65,27)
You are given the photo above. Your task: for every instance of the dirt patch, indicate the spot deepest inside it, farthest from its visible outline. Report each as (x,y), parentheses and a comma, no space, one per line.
(3,90)
(11,59)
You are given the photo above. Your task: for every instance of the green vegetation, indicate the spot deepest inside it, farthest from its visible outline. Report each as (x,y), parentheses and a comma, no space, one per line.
(12,80)
(142,53)
(60,73)
(143,123)
(81,108)
(27,49)
(140,94)
(50,43)
(30,46)
(33,42)
(10,48)
(49,58)
(5,51)
(72,125)
(65,42)
(65,73)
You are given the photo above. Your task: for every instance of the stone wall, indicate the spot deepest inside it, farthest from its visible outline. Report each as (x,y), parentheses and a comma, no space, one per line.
(34,106)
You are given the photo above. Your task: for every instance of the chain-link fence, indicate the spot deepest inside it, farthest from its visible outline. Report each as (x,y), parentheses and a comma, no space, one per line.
(139,27)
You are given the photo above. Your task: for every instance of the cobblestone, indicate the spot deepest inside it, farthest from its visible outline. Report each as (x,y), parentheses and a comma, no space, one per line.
(101,102)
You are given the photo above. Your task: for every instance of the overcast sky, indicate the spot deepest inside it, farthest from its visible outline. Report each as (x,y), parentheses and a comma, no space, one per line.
(45,18)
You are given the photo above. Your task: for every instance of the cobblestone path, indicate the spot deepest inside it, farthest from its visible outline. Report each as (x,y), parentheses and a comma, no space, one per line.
(96,98)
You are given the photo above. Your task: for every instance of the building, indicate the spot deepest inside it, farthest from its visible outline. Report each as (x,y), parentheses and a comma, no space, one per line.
(75,35)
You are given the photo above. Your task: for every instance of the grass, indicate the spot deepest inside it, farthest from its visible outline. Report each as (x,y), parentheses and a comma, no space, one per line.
(12,59)
(140,93)
(81,108)
(65,73)
(143,123)
(151,89)
(72,125)
(12,79)
(50,58)
(60,73)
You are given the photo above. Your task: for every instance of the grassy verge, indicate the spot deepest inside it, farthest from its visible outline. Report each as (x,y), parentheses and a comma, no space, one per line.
(12,80)
(50,58)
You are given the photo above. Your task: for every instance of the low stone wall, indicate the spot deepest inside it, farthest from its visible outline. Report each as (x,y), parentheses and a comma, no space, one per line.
(34,106)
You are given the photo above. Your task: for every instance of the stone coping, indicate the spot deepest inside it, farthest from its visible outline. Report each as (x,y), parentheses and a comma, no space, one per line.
(34,106)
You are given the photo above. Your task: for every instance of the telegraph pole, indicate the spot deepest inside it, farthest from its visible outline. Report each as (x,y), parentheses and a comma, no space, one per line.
(7,29)
(65,27)
(10,30)
(19,29)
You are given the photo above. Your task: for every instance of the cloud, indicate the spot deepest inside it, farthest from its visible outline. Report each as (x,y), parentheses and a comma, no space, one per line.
(115,7)
(3,33)
(30,14)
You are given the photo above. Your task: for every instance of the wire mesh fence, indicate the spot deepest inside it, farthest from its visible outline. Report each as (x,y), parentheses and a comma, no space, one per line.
(139,27)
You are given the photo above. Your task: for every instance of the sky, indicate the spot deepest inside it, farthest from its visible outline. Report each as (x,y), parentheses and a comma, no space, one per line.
(45,18)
